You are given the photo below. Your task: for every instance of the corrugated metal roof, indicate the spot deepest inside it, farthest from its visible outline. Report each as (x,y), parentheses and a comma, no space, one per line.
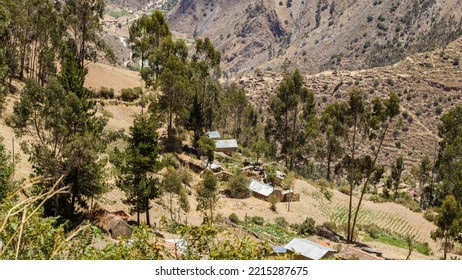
(261,188)
(213,134)
(224,144)
(307,248)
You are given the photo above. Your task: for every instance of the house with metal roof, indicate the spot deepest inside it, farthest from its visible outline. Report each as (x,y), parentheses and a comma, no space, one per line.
(215,135)
(260,189)
(226,146)
(308,250)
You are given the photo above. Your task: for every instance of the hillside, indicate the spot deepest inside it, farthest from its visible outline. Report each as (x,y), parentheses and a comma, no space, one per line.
(428,84)
(317,35)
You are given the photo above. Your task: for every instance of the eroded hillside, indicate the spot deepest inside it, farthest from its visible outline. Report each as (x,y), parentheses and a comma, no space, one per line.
(428,85)
(317,35)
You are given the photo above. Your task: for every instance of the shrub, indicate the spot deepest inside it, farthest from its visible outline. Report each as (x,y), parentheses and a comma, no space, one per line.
(281,222)
(130,94)
(430,215)
(273,200)
(373,231)
(238,185)
(327,193)
(344,189)
(234,218)
(170,160)
(259,221)
(330,225)
(185,176)
(106,93)
(308,227)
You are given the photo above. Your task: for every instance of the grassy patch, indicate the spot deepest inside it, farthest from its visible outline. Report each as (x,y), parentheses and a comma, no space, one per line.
(118,13)
(271,232)
(400,242)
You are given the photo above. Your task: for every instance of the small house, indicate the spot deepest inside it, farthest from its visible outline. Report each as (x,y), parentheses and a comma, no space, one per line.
(260,189)
(226,146)
(288,195)
(308,250)
(215,135)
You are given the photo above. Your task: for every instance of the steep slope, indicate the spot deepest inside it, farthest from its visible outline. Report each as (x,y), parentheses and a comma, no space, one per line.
(317,35)
(428,84)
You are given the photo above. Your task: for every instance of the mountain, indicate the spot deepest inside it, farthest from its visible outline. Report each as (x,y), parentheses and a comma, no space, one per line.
(428,84)
(317,35)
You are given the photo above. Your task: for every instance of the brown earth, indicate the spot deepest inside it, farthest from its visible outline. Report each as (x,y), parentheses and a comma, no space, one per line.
(351,34)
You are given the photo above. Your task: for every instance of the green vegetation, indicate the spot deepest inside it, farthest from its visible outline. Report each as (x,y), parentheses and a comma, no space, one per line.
(118,13)
(399,241)
(56,118)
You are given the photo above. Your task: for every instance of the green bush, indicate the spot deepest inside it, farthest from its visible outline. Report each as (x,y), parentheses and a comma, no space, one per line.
(344,189)
(308,227)
(430,215)
(106,93)
(130,94)
(259,221)
(234,218)
(373,231)
(281,222)
(330,225)
(327,193)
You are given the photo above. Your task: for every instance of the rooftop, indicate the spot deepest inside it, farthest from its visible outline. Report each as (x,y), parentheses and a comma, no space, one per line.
(213,134)
(307,248)
(226,144)
(260,187)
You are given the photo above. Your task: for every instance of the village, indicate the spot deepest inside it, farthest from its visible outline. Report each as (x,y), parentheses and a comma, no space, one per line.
(323,243)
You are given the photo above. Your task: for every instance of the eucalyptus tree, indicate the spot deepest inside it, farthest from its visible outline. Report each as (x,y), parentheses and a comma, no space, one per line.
(293,110)
(83,21)
(364,121)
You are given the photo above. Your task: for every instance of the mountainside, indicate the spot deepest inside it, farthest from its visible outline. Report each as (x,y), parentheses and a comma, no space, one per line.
(317,35)
(428,85)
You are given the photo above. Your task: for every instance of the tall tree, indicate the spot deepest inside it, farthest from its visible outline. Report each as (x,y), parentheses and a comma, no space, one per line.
(175,88)
(449,162)
(207,195)
(6,172)
(424,178)
(234,104)
(83,19)
(140,163)
(171,184)
(62,121)
(196,120)
(364,122)
(333,127)
(206,72)
(146,35)
(292,107)
(396,171)
(449,223)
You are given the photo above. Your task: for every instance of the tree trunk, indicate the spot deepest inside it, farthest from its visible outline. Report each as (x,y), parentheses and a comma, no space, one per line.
(363,190)
(350,205)
(148,220)
(329,161)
